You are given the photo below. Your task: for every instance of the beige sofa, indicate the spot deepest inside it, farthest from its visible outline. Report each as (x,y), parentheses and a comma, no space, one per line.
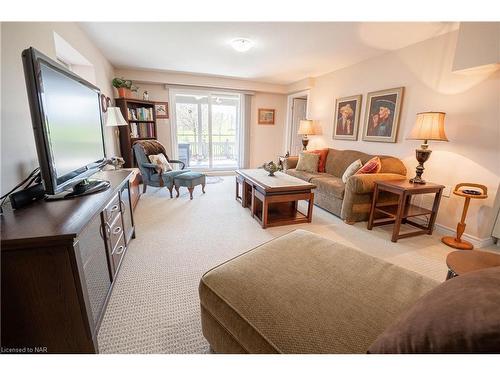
(301,293)
(350,201)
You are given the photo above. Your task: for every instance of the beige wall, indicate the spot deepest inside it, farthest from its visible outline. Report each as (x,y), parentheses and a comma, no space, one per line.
(266,142)
(471,101)
(18,145)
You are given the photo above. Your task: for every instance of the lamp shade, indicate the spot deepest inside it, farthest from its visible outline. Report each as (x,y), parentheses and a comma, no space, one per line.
(429,126)
(114,117)
(306,127)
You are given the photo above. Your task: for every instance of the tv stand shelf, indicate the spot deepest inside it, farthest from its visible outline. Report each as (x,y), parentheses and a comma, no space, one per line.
(59,263)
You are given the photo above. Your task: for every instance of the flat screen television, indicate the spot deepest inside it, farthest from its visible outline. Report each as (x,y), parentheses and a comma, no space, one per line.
(67,124)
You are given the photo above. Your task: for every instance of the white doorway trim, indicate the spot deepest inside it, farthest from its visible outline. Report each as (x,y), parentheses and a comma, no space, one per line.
(289,113)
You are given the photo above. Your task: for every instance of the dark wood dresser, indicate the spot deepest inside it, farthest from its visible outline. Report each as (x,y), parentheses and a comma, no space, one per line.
(59,263)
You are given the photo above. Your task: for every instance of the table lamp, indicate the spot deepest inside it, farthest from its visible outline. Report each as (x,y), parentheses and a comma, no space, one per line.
(114,117)
(429,126)
(306,128)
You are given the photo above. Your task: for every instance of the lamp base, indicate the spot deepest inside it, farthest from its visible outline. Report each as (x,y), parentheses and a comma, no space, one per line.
(422,155)
(305,142)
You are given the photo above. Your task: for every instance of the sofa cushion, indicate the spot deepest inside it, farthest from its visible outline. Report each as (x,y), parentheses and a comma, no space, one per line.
(303,175)
(371,166)
(329,186)
(323,153)
(337,161)
(308,162)
(301,293)
(351,170)
(459,316)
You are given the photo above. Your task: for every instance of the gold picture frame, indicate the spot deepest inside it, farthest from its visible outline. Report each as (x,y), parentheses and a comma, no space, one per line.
(346,121)
(383,109)
(266,116)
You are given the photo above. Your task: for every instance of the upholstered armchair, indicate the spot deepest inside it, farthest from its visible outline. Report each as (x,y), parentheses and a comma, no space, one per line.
(150,174)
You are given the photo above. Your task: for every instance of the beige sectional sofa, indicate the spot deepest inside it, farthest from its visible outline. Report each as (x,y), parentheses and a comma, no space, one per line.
(350,201)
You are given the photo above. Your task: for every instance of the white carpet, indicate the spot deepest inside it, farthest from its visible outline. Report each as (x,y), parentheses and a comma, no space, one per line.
(154,307)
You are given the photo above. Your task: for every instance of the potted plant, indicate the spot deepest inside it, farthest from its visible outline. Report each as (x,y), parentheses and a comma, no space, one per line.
(124,87)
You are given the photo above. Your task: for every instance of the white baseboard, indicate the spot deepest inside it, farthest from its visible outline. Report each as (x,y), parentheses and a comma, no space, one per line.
(446,231)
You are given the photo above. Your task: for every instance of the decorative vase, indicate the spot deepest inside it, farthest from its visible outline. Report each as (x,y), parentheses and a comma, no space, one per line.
(271,167)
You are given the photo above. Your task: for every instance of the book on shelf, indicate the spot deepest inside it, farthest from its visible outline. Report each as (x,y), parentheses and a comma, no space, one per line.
(142,130)
(140,114)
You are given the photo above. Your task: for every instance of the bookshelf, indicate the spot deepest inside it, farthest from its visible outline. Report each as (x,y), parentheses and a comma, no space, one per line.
(141,118)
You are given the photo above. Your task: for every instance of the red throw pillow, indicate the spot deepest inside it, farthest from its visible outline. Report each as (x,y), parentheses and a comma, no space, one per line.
(322,158)
(372,166)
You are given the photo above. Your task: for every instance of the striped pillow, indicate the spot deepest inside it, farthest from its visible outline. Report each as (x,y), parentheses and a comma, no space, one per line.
(372,166)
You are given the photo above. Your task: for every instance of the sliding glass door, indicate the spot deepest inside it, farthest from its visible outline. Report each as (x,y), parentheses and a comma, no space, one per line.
(206,128)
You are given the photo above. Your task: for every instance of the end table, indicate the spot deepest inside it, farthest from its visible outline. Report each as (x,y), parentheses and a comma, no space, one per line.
(460,262)
(401,212)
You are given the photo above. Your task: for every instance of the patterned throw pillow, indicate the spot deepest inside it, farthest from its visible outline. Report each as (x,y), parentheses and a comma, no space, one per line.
(351,170)
(308,162)
(372,166)
(323,153)
(161,163)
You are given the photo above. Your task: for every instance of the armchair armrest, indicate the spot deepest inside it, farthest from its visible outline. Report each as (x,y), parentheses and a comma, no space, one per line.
(365,183)
(173,161)
(150,165)
(289,162)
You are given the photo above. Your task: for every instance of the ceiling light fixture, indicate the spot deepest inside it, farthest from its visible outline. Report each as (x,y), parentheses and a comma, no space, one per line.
(242,44)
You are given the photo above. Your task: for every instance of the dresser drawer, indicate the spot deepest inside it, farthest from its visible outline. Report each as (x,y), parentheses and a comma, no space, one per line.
(118,252)
(112,209)
(114,231)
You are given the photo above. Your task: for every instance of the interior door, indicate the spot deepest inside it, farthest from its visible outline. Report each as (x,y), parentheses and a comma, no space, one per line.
(299,112)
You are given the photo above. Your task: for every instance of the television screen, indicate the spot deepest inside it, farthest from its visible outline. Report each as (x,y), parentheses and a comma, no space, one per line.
(67,124)
(72,115)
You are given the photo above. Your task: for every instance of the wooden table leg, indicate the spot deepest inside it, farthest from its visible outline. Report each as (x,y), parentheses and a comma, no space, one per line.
(265,212)
(372,210)
(253,204)
(435,207)
(310,208)
(237,188)
(399,217)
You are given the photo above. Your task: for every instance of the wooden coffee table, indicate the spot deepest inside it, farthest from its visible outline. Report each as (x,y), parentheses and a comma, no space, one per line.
(273,199)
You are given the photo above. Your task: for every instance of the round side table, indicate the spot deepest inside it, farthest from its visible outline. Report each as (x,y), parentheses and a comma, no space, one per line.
(457,242)
(460,262)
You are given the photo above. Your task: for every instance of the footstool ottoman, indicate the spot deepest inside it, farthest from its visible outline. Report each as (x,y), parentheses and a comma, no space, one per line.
(189,180)
(302,293)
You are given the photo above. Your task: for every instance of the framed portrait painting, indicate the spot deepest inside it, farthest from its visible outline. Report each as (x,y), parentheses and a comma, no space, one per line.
(382,115)
(347,118)
(266,116)
(161,110)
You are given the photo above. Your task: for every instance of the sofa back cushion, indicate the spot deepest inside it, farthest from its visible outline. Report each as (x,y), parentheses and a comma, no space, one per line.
(337,161)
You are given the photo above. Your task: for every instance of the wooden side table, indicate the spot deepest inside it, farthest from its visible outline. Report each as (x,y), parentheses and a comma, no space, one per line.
(401,212)
(460,262)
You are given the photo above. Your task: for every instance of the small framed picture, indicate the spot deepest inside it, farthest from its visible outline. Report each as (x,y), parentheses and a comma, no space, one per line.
(266,116)
(161,110)
(346,124)
(382,115)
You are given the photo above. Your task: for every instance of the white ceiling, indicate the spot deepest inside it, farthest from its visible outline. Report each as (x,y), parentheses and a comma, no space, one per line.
(284,52)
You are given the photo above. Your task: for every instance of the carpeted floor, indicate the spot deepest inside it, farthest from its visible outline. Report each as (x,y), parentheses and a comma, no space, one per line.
(154,307)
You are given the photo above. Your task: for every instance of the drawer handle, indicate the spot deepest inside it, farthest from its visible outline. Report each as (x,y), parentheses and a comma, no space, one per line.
(117,230)
(119,249)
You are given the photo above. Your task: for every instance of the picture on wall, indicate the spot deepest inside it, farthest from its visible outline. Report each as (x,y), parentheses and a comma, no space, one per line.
(266,116)
(347,118)
(382,115)
(161,110)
